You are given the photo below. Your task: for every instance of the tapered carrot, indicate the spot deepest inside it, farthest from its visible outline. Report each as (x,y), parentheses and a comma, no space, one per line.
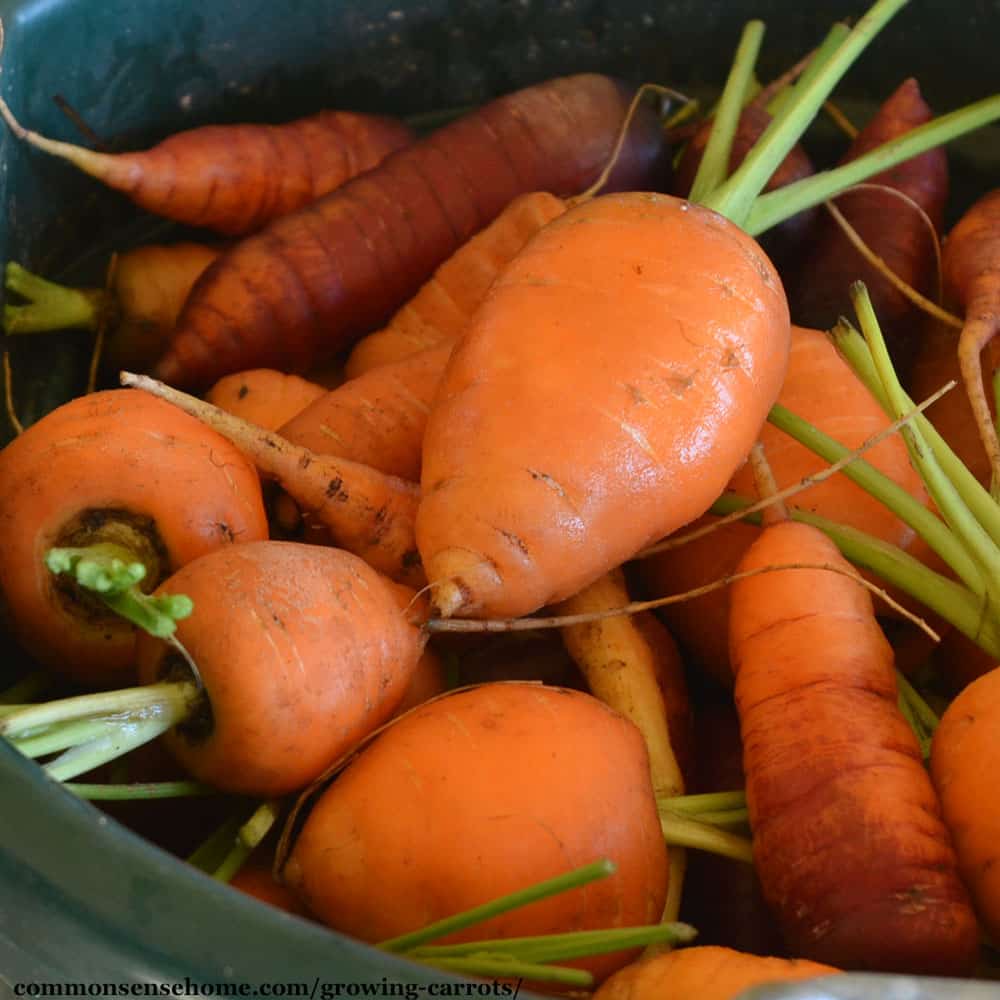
(895,232)
(848,836)
(309,284)
(263,396)
(965,754)
(137,310)
(235,178)
(366,512)
(705,972)
(439,312)
(502,785)
(125,472)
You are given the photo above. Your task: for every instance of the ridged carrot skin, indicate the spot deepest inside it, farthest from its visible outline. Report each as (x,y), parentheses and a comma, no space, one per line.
(616,376)
(501,786)
(303,650)
(314,281)
(852,852)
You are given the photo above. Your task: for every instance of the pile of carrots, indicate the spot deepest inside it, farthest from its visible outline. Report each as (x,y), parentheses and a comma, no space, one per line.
(504,505)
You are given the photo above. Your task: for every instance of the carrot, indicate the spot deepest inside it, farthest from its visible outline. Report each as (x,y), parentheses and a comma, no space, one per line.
(965,754)
(256,879)
(705,972)
(314,281)
(122,469)
(847,831)
(263,396)
(820,387)
(894,231)
(439,312)
(138,309)
(970,261)
(427,681)
(235,178)
(528,781)
(378,418)
(365,511)
(292,654)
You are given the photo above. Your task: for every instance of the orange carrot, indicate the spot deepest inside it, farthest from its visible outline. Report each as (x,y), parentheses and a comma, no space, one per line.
(965,755)
(365,511)
(301,651)
(311,283)
(439,312)
(502,785)
(116,468)
(138,309)
(894,231)
(645,360)
(235,178)
(705,973)
(847,831)
(427,681)
(256,879)
(263,396)
(820,387)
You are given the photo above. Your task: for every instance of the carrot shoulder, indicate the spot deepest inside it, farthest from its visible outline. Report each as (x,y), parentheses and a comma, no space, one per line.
(848,838)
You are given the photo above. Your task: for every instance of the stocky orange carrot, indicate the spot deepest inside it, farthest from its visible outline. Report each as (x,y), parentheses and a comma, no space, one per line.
(311,283)
(820,387)
(502,785)
(439,312)
(263,396)
(137,310)
(648,359)
(965,756)
(705,973)
(378,418)
(116,468)
(848,838)
(235,178)
(301,651)
(366,512)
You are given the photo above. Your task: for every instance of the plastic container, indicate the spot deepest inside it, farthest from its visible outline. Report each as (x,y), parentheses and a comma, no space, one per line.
(82,900)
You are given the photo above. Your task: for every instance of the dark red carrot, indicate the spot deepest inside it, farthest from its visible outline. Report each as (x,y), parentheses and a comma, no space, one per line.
(314,281)
(235,178)
(896,233)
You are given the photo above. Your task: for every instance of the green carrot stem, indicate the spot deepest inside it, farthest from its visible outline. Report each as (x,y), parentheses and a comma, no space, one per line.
(125,737)
(703,802)
(52,306)
(248,838)
(835,37)
(28,688)
(923,712)
(942,595)
(723,818)
(492,966)
(173,697)
(773,208)
(735,198)
(685,832)
(714,165)
(564,947)
(112,572)
(978,545)
(511,901)
(884,489)
(62,736)
(209,854)
(140,790)
(854,350)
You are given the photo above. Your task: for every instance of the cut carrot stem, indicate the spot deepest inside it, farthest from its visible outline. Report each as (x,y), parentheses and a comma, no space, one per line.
(112,573)
(714,164)
(248,837)
(773,208)
(686,832)
(52,306)
(208,855)
(890,493)
(852,346)
(139,790)
(736,197)
(511,901)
